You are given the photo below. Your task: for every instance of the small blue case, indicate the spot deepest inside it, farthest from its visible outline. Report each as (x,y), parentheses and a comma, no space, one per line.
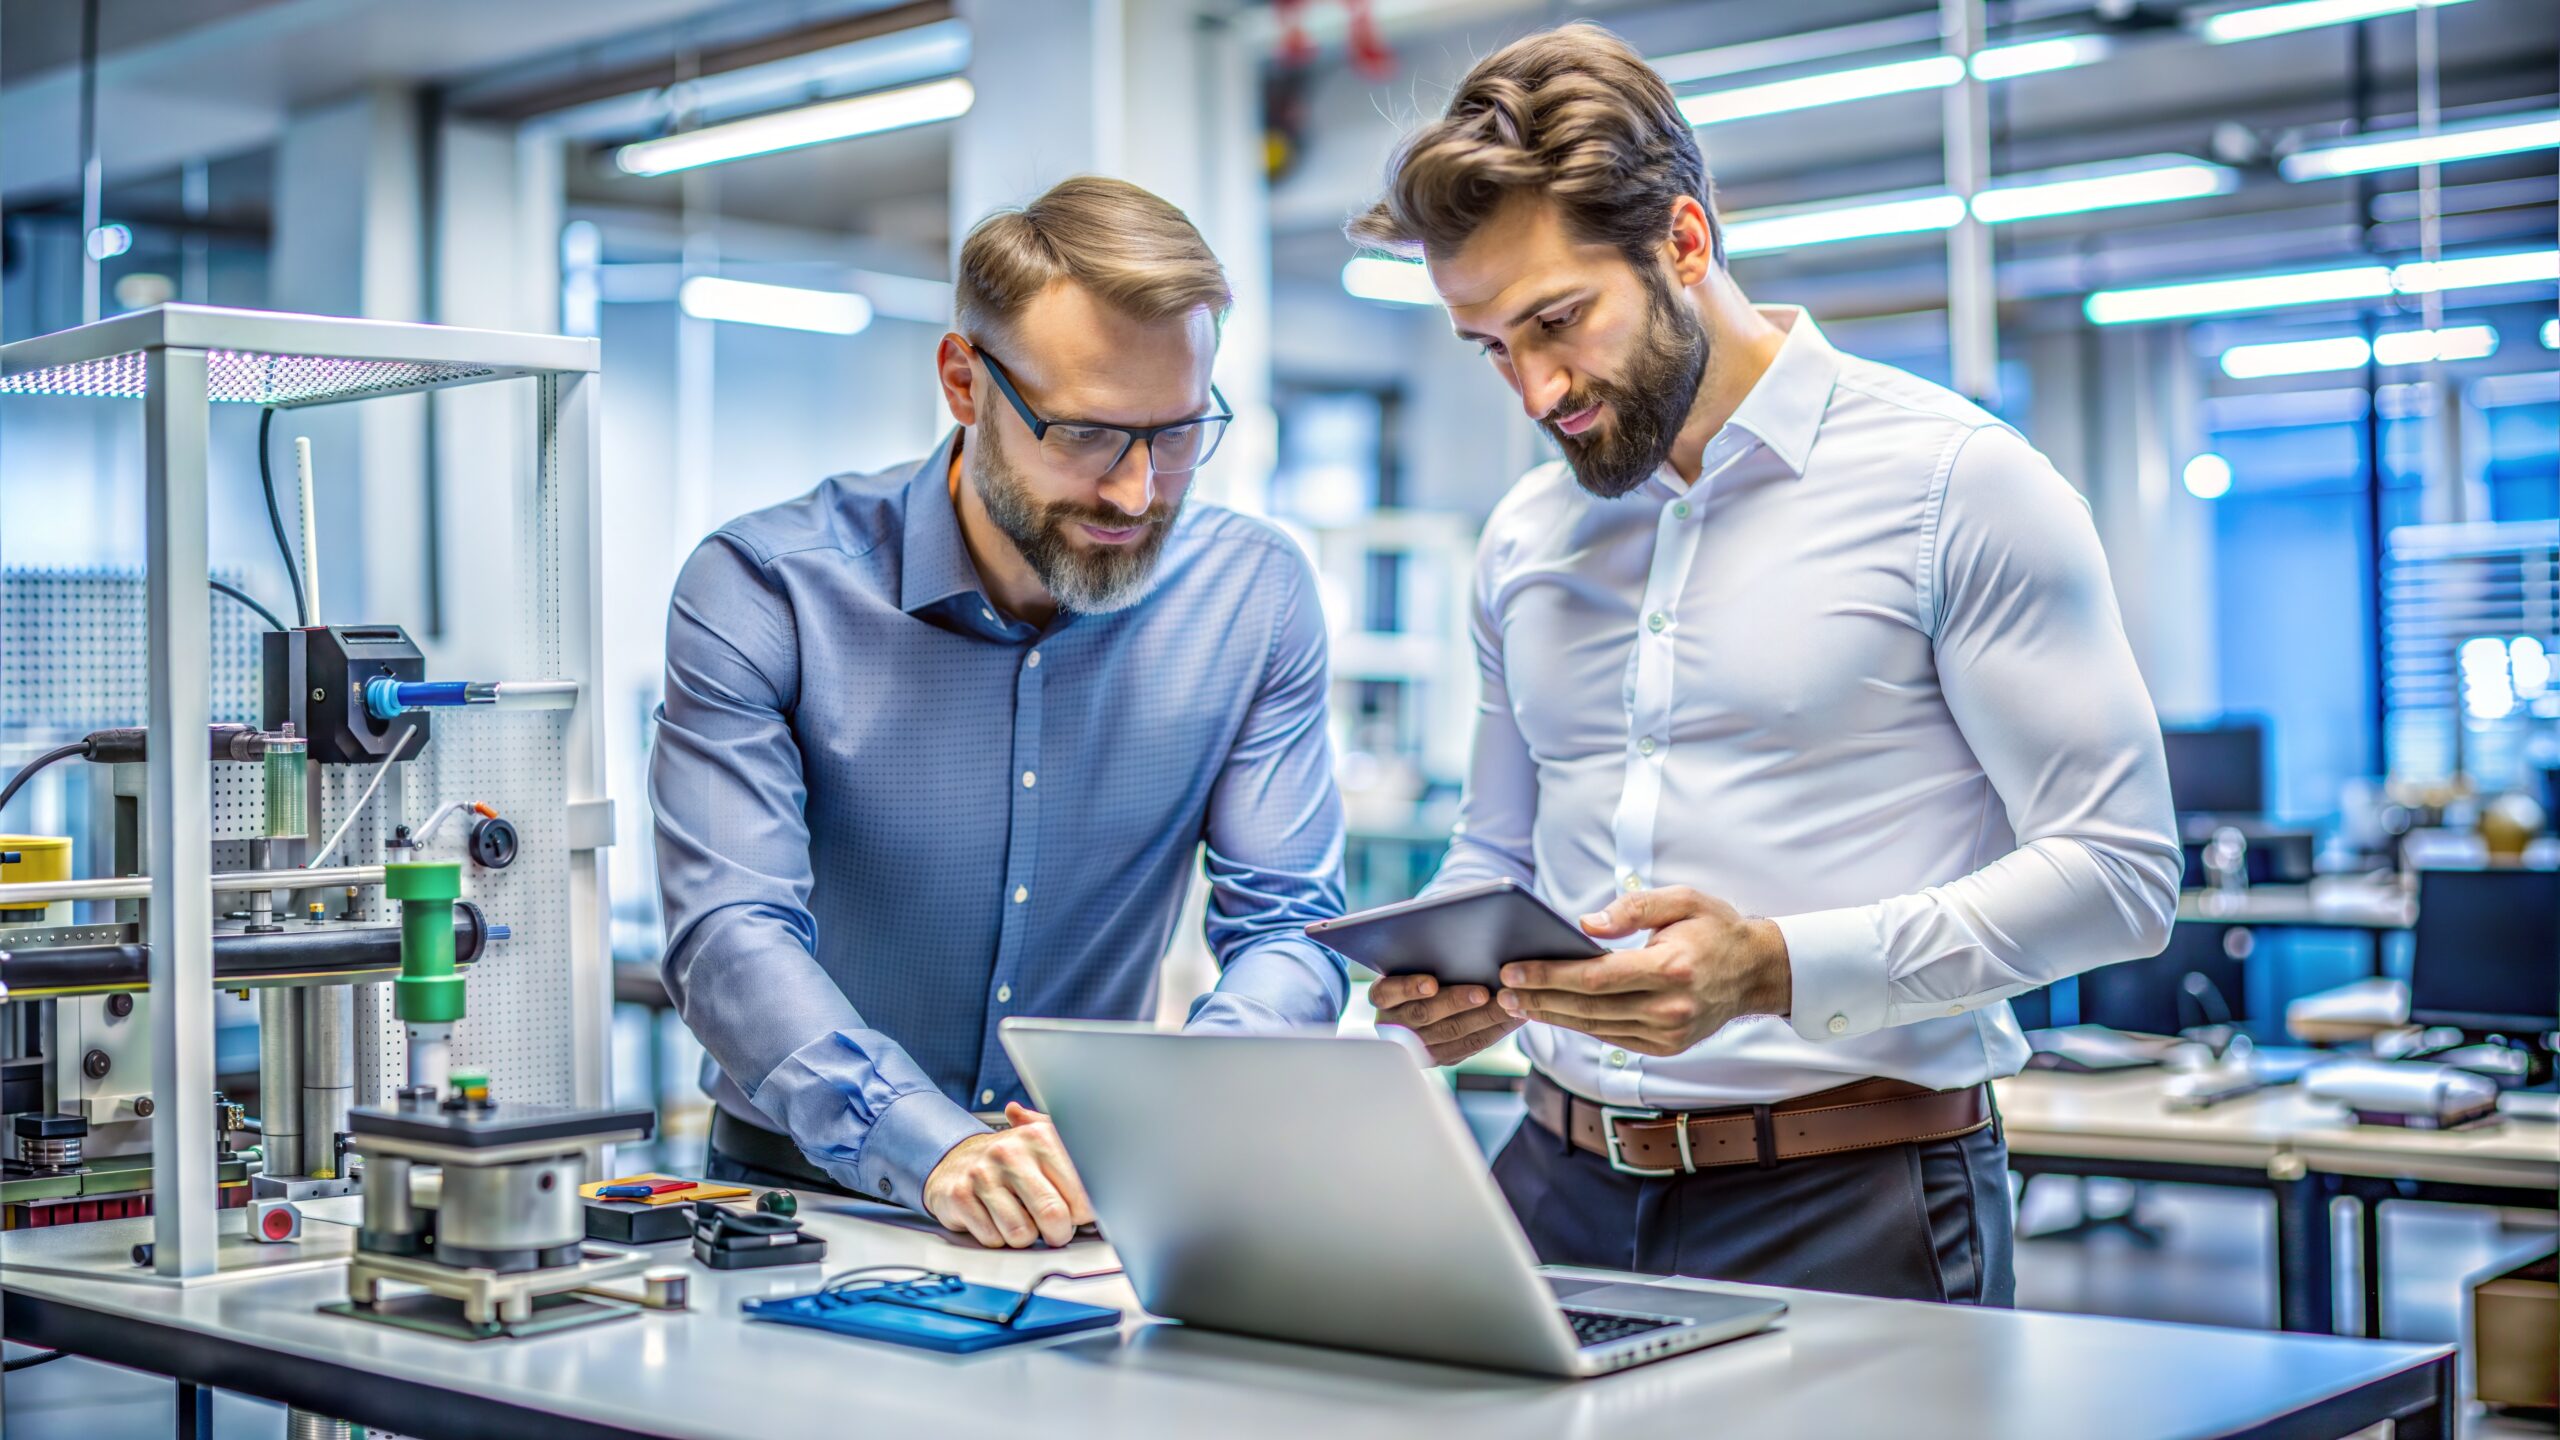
(923,1315)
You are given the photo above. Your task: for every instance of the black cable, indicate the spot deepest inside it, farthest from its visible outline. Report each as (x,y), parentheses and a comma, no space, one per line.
(29,1362)
(236,593)
(275,517)
(28,771)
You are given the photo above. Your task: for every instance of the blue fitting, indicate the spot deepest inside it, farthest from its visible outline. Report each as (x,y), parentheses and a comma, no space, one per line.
(385,698)
(501,932)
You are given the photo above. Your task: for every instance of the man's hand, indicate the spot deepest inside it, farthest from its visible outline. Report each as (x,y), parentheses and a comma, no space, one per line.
(1453,1024)
(1705,965)
(1011,1187)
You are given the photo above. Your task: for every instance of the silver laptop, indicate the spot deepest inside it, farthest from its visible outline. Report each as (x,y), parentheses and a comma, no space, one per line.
(1323,1189)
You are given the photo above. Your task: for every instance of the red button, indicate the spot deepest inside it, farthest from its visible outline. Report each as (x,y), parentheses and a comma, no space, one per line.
(279,1223)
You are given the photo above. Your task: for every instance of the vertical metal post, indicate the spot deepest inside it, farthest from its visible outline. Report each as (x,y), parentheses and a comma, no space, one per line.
(181,801)
(570,547)
(280,1079)
(1973,299)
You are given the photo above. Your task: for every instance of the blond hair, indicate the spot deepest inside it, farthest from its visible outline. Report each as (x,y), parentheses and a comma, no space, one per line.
(1571,114)
(1127,246)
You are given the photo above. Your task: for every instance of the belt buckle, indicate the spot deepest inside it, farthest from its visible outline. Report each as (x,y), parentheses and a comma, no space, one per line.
(1610,1115)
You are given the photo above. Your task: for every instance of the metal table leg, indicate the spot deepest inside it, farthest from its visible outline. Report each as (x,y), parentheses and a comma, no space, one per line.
(2369,1256)
(2306,1276)
(195,1411)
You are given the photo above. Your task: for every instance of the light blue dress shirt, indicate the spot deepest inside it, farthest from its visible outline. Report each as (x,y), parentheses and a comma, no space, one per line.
(889,815)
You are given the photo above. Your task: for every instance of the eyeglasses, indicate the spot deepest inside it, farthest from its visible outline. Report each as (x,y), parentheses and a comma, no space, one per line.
(1089,449)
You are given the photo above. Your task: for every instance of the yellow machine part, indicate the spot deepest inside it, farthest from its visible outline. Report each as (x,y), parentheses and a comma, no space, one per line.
(34,859)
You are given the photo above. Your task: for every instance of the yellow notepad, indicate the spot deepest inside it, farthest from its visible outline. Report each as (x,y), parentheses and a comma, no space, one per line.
(699,1190)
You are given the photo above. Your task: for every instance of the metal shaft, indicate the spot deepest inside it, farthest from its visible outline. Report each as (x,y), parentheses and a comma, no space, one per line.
(34,893)
(280,1079)
(328,1075)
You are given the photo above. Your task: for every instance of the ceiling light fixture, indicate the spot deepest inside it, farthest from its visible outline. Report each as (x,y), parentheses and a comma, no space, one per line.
(787,307)
(2407,149)
(819,124)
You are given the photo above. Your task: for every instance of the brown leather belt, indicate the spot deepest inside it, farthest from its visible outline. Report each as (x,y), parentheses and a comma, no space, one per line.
(1865,1115)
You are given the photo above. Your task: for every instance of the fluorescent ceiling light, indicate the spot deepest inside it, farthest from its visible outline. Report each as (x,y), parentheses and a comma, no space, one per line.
(1756,232)
(1897,77)
(2035,57)
(2314,287)
(1397,282)
(2260,21)
(830,312)
(818,124)
(2149,180)
(2296,357)
(2349,352)
(2404,149)
(1864,83)
(2453,342)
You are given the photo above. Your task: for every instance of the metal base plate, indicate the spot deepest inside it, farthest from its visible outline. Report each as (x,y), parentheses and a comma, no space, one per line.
(103,1250)
(486,1300)
(442,1315)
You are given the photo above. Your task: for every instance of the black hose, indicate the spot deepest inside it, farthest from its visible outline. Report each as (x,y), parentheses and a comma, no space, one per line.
(28,771)
(243,596)
(29,1362)
(275,516)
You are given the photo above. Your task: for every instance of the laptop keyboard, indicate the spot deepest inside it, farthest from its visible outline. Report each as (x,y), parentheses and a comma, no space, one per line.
(1599,1327)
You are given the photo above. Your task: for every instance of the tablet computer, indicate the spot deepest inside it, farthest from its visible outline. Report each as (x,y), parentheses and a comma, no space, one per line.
(1459,937)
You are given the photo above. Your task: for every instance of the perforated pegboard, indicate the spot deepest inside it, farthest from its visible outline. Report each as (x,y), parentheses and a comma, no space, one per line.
(75,651)
(248,379)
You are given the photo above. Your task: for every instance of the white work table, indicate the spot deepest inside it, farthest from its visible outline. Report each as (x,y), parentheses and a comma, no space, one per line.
(2303,1153)
(1838,1365)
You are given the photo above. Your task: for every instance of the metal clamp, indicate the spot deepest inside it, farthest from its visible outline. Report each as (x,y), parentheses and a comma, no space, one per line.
(1610,1115)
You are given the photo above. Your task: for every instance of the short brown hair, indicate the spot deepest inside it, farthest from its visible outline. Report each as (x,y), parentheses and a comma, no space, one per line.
(1571,113)
(1130,247)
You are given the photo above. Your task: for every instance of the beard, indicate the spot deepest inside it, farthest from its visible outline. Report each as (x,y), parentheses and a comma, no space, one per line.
(1088,579)
(1646,408)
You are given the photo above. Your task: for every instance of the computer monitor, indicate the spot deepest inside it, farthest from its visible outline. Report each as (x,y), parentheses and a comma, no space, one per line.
(2218,769)
(2154,995)
(2486,955)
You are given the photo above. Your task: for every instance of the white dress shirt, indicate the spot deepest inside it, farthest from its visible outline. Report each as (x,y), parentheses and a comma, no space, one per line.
(1865,677)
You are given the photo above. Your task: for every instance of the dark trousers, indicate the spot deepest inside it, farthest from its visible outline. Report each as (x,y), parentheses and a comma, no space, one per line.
(1924,1221)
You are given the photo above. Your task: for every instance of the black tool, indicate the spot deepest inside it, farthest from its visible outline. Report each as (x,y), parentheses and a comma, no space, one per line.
(726,1239)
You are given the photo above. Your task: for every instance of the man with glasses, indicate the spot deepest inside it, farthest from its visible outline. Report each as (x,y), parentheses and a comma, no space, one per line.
(940,744)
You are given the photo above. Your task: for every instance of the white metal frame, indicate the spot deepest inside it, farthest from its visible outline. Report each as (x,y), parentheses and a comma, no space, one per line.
(192,355)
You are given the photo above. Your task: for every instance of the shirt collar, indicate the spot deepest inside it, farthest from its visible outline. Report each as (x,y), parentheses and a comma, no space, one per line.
(1786,404)
(933,561)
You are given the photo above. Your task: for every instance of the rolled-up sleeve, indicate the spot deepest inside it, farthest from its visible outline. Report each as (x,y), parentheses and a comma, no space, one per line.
(2039,677)
(1274,838)
(733,869)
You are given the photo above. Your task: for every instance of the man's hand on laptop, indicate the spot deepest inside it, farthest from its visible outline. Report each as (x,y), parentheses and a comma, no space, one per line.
(1453,1023)
(1705,965)
(1009,1188)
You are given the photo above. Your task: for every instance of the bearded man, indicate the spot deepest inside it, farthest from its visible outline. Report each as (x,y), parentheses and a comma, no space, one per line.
(1803,684)
(942,744)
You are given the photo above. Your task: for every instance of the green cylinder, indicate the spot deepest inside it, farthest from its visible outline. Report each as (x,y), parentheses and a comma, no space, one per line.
(428,991)
(288,765)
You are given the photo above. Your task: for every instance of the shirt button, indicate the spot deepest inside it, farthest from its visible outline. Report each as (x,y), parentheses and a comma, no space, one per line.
(887,1188)
(990,614)
(1655,621)
(1955,1009)
(986,1097)
(1618,1058)
(1034,661)
(1634,883)
(1839,1024)
(1681,510)
(1029,779)
(1021,893)
(1645,746)
(1004,994)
